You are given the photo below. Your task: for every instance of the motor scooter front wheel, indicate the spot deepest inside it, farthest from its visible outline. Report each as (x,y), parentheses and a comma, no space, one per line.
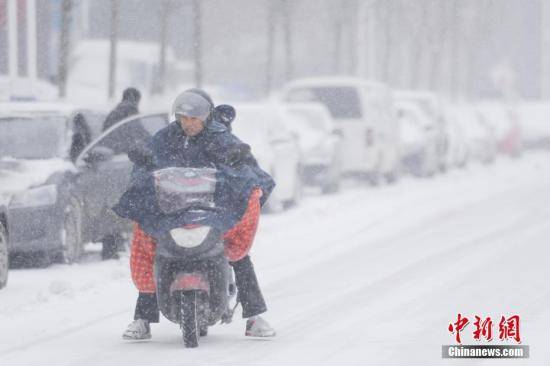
(189,322)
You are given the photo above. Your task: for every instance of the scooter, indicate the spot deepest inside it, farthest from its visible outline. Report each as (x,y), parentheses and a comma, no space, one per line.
(194,280)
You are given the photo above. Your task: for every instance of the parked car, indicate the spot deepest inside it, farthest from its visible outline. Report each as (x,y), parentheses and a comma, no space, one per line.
(363,113)
(320,143)
(104,173)
(419,154)
(92,119)
(503,121)
(60,199)
(4,254)
(479,136)
(457,146)
(274,146)
(432,106)
(534,120)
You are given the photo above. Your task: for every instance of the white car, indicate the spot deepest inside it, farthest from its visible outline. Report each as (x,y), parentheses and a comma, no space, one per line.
(363,112)
(432,106)
(419,154)
(534,120)
(479,136)
(319,142)
(502,120)
(4,256)
(92,118)
(457,146)
(275,148)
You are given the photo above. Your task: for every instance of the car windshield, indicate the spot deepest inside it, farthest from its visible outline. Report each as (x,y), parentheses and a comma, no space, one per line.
(32,138)
(342,102)
(311,118)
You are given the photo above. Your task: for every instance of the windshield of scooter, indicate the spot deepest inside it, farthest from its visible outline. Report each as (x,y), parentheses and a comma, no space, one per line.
(180,189)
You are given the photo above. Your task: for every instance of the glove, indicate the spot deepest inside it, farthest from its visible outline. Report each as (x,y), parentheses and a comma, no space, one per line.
(237,154)
(142,157)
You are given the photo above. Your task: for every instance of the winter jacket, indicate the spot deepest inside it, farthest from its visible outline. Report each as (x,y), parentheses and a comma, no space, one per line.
(124,109)
(210,148)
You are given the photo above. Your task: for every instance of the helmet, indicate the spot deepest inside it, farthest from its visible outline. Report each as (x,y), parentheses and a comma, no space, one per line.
(193,103)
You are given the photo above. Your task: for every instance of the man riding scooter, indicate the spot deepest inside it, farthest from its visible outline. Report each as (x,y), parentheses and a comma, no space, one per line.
(197,140)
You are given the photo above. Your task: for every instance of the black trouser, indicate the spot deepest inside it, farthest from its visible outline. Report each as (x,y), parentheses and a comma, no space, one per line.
(249,293)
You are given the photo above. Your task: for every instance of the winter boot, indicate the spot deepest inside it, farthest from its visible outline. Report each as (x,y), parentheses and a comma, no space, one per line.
(257,326)
(138,329)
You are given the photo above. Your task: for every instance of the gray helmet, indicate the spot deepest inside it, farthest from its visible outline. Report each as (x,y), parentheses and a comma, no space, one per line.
(192,104)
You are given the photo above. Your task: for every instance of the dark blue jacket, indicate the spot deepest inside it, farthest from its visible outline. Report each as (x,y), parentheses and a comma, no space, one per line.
(172,148)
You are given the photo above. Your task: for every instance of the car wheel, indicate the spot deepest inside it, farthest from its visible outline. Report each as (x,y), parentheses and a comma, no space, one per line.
(391,177)
(273,204)
(332,185)
(297,192)
(4,257)
(374,178)
(112,244)
(71,232)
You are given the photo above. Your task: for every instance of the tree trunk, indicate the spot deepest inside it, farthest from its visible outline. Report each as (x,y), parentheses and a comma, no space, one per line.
(454,53)
(338,28)
(197,45)
(270,46)
(113,51)
(165,10)
(289,71)
(65,36)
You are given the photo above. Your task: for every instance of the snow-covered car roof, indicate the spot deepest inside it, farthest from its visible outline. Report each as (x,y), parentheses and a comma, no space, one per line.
(37,108)
(430,102)
(468,119)
(534,118)
(311,111)
(496,114)
(334,81)
(415,94)
(403,105)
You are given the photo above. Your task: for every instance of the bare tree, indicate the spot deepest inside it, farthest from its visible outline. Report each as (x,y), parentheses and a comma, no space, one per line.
(287,19)
(437,34)
(454,31)
(113,48)
(197,44)
(64,44)
(338,35)
(386,12)
(166,8)
(270,46)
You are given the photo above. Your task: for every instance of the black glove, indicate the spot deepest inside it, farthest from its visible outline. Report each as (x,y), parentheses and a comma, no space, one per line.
(237,154)
(142,157)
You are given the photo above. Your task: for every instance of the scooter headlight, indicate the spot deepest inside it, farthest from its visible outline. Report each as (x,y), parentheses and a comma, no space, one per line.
(190,237)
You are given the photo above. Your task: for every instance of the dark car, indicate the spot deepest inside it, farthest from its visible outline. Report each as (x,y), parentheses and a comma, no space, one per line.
(36,152)
(103,173)
(4,257)
(61,188)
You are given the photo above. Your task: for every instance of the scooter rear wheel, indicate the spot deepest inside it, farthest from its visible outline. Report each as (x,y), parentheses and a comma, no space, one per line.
(189,320)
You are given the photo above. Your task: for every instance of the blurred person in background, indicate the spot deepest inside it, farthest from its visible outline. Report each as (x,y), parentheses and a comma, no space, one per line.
(127,107)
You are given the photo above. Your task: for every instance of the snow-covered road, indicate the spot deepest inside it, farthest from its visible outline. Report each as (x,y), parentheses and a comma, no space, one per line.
(367,276)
